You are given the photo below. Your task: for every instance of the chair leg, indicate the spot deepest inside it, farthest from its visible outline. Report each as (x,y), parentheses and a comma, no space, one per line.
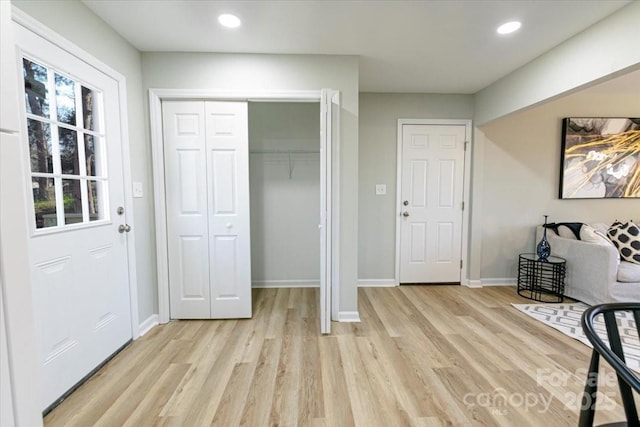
(625,390)
(588,404)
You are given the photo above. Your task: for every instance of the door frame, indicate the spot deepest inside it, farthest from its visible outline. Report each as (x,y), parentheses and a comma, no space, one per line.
(156,96)
(464,247)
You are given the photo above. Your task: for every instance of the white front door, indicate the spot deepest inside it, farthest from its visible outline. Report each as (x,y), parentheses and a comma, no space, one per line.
(431,203)
(79,257)
(206,149)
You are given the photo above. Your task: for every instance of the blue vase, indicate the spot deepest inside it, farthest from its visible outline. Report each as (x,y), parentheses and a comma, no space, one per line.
(544,249)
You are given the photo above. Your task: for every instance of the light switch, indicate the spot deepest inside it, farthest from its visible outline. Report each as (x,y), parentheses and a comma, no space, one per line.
(137,189)
(381,189)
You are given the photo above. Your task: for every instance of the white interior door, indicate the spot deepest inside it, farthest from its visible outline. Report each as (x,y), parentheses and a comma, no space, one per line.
(227,142)
(206,148)
(187,222)
(431,203)
(79,258)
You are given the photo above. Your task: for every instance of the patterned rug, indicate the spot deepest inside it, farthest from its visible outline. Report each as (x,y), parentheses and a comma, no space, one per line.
(566,318)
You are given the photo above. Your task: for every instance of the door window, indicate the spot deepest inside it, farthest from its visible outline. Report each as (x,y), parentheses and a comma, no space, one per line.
(66,148)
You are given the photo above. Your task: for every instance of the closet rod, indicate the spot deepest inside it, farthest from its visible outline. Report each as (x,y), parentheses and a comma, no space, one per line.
(288,153)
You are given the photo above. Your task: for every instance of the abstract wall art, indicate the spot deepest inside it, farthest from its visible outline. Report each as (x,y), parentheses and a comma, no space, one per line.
(600,158)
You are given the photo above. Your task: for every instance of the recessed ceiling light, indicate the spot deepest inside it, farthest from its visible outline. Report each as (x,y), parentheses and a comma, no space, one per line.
(229,21)
(509,27)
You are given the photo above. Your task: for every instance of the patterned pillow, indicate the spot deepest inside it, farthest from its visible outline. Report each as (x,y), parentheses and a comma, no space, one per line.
(626,237)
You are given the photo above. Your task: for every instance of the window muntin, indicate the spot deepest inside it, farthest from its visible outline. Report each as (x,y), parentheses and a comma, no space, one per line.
(68,164)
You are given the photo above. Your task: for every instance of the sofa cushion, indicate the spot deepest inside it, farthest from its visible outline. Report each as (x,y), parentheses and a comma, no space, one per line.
(628,272)
(626,237)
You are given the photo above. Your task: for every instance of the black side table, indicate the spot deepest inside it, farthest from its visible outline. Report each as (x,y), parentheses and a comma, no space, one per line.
(541,280)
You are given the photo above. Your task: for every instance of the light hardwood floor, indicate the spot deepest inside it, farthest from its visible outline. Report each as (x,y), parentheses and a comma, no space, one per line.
(422,356)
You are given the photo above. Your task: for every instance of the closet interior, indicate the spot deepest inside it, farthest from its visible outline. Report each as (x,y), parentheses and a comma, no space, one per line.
(284,173)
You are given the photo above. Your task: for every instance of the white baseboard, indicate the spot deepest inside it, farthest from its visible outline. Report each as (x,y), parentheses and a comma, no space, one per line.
(285,284)
(499,282)
(377,283)
(349,316)
(472,283)
(148,324)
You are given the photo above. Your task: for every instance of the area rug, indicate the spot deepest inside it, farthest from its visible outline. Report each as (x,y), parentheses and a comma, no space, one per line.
(566,319)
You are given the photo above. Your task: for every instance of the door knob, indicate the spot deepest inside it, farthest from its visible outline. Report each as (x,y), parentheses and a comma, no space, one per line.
(406,203)
(124,228)
(405,214)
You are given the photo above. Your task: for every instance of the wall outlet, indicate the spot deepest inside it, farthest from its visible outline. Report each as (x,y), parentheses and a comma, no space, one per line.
(381,189)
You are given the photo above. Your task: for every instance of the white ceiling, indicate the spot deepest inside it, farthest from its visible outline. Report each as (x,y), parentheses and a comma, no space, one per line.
(404,46)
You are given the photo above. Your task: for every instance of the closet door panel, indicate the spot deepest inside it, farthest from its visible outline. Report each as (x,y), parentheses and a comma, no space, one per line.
(223,171)
(227,143)
(186,195)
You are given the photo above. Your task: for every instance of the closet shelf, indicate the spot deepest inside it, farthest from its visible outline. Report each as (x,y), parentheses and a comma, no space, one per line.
(286,152)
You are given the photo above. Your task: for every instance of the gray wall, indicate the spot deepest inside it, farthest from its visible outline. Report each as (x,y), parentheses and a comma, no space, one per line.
(248,72)
(515,175)
(521,158)
(94,36)
(379,114)
(285,241)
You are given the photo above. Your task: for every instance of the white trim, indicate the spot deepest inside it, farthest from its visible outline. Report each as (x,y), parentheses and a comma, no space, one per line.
(147,325)
(472,283)
(349,317)
(499,282)
(325,211)
(160,202)
(156,96)
(377,283)
(285,284)
(31,24)
(464,250)
(238,95)
(336,212)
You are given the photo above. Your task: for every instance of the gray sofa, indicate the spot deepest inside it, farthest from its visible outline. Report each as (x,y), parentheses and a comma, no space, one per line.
(595,273)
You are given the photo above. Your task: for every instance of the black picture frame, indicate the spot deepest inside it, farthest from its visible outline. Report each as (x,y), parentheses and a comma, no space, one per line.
(600,158)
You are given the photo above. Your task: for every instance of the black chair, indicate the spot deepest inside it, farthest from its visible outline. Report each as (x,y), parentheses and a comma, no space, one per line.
(614,355)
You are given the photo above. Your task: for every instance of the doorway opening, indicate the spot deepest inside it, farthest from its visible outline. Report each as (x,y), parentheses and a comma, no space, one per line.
(284,182)
(327,103)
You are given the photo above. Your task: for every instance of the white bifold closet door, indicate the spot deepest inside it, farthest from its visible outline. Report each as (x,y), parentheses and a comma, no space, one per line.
(206,149)
(329,137)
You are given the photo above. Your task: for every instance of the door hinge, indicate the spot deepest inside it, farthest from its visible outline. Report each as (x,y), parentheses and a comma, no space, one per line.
(465,145)
(460,264)
(462,205)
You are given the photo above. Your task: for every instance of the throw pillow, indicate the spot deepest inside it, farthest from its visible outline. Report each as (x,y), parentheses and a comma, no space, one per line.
(568,230)
(626,237)
(590,235)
